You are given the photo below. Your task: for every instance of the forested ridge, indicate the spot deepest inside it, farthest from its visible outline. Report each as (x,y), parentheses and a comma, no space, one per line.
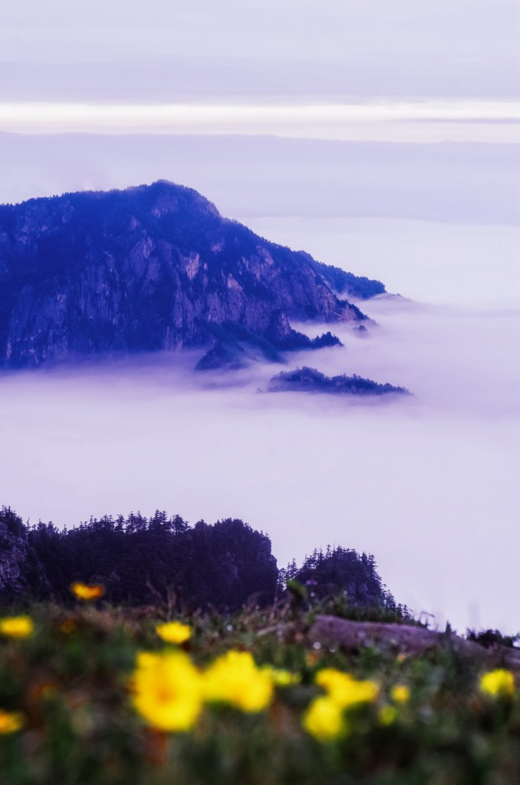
(140,560)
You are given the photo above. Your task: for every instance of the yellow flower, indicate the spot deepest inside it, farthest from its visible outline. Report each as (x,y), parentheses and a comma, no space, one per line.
(16,626)
(498,683)
(87,592)
(324,719)
(167,690)
(235,679)
(10,721)
(387,715)
(281,677)
(344,690)
(173,632)
(400,693)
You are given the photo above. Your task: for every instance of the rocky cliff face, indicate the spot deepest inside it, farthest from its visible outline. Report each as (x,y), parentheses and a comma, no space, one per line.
(149,268)
(13,555)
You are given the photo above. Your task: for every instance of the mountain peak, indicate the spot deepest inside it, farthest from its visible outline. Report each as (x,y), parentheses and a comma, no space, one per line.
(152,267)
(166,192)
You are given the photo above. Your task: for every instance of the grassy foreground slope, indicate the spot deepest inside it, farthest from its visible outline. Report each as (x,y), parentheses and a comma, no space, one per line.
(93,695)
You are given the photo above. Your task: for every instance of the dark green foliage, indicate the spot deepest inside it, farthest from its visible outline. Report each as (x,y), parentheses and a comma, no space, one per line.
(490,639)
(284,337)
(347,283)
(310,380)
(144,560)
(148,561)
(11,525)
(236,346)
(341,571)
(327,339)
(13,554)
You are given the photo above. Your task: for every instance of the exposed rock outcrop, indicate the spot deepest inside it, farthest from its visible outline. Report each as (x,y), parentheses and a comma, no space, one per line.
(412,640)
(13,555)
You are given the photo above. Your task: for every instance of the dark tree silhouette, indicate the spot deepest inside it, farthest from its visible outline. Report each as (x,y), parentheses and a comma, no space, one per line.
(142,561)
(341,570)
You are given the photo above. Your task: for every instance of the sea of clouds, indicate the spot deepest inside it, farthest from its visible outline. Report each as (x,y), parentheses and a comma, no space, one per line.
(427,483)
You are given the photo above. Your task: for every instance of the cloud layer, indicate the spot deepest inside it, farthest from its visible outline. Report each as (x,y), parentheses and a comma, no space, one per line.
(427,484)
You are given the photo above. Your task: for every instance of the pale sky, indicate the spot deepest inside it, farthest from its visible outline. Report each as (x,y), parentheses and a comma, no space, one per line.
(465,32)
(95,66)
(399,121)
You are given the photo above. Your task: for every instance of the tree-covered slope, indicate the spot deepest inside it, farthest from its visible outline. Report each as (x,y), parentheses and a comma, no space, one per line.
(142,560)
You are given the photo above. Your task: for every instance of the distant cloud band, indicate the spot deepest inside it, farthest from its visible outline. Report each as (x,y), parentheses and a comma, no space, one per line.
(377,120)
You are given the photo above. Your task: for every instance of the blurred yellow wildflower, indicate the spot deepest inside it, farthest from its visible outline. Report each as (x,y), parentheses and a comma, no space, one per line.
(345,690)
(324,719)
(281,677)
(234,678)
(387,715)
(10,721)
(167,690)
(173,632)
(400,693)
(87,592)
(16,626)
(498,683)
